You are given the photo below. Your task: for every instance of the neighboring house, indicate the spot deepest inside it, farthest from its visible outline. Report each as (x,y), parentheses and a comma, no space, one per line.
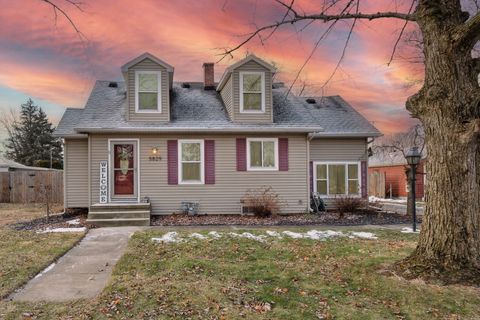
(7,165)
(150,144)
(393,167)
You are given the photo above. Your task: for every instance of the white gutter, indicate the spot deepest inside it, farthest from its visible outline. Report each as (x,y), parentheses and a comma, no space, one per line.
(196,130)
(344,135)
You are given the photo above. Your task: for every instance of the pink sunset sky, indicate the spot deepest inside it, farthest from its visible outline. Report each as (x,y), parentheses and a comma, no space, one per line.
(46,60)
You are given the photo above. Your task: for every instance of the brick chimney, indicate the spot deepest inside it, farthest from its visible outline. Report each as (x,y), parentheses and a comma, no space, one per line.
(208,76)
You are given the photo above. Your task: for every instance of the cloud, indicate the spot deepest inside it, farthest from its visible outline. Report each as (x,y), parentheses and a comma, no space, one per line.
(51,62)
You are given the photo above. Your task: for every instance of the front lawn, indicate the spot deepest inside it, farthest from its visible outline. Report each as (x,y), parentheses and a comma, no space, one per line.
(239,278)
(23,254)
(16,212)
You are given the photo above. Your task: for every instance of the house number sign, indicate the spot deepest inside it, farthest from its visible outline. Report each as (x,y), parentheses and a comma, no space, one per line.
(103,181)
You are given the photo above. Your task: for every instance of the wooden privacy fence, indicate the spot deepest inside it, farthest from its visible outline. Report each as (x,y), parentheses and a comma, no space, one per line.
(376,184)
(31,186)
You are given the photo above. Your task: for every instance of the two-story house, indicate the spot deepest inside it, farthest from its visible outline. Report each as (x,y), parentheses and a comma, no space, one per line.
(148,144)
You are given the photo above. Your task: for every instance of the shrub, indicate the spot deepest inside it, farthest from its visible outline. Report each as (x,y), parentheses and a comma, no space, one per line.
(262,202)
(347,204)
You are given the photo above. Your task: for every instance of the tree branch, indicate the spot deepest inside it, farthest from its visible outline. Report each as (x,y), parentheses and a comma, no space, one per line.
(322,17)
(65,14)
(468,34)
(400,35)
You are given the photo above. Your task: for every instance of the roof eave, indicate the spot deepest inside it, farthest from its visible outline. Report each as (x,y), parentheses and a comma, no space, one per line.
(345,134)
(198,130)
(70,135)
(143,56)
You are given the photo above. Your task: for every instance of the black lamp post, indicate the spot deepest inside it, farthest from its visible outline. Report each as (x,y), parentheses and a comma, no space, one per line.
(413,159)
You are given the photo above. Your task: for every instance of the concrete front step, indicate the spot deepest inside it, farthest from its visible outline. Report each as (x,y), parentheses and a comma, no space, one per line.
(120,222)
(113,207)
(119,214)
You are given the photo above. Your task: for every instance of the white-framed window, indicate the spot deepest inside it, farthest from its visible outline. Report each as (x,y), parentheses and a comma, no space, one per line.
(148,91)
(262,154)
(336,178)
(191,168)
(252,92)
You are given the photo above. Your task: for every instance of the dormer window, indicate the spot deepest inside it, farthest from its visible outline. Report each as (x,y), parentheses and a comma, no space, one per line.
(252,92)
(147,91)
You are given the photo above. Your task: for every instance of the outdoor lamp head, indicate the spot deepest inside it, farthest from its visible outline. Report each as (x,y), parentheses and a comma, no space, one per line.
(413,156)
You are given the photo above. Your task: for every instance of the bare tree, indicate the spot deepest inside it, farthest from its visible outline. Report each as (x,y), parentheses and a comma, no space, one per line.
(448,106)
(393,148)
(8,120)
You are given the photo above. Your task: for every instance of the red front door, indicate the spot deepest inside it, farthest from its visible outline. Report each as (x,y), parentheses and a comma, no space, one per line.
(124,173)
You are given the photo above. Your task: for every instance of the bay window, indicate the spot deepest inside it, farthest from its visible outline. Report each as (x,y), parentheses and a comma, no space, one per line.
(191,165)
(147,91)
(337,178)
(262,154)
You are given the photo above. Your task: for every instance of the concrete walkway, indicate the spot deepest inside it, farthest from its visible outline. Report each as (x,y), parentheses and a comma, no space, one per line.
(400,208)
(82,272)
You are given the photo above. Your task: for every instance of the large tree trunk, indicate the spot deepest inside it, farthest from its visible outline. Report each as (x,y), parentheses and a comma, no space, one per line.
(449,108)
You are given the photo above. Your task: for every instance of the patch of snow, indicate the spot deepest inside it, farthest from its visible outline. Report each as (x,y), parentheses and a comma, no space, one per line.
(312,234)
(273,234)
(168,237)
(294,235)
(50,267)
(364,235)
(375,199)
(409,230)
(74,221)
(248,235)
(55,230)
(320,235)
(215,234)
(199,236)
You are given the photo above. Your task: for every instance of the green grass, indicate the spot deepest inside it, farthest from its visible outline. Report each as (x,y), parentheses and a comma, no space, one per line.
(239,278)
(25,253)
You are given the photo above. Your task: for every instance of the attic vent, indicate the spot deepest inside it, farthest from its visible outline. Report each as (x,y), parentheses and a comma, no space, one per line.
(311,101)
(113,85)
(185,85)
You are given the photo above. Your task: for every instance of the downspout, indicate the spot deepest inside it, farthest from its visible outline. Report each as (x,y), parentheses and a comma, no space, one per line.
(309,209)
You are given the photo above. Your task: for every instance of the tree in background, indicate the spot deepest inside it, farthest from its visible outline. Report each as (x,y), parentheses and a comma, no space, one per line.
(30,138)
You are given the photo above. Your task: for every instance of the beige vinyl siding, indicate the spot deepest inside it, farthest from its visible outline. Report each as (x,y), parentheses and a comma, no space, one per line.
(148,65)
(224,196)
(227,97)
(332,149)
(266,117)
(76,173)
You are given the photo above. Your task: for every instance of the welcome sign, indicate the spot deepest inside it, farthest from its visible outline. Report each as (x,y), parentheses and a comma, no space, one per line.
(103,181)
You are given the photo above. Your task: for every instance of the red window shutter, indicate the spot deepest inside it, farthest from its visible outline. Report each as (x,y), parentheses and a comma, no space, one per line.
(363,166)
(209,161)
(283,154)
(241,154)
(310,173)
(172,158)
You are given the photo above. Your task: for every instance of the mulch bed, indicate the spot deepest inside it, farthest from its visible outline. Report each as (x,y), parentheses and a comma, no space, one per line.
(330,218)
(55,221)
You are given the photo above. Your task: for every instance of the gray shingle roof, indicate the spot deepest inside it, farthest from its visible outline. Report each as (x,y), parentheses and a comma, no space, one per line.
(336,116)
(69,122)
(197,109)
